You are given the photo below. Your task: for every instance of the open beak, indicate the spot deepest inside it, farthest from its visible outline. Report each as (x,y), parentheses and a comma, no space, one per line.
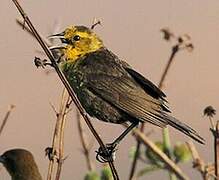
(62,38)
(59,36)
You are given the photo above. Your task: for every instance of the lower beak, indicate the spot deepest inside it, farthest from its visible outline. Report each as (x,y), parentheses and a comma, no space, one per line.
(62,46)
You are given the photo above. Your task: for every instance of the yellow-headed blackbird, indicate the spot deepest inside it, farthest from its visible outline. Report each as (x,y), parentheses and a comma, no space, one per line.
(20,165)
(108,88)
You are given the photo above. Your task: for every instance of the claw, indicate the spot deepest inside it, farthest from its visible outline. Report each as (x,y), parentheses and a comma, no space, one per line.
(41,63)
(108,154)
(49,153)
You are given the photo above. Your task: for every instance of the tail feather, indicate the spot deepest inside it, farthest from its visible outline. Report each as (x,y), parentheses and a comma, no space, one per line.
(183,128)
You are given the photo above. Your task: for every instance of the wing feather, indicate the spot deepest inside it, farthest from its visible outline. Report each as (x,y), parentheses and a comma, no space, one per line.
(124,94)
(130,92)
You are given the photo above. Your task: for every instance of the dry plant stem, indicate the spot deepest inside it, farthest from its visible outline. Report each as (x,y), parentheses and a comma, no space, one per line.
(167,149)
(51,161)
(63,114)
(165,130)
(216,150)
(58,136)
(20,23)
(66,84)
(86,149)
(5,119)
(173,53)
(212,123)
(136,157)
(198,163)
(163,157)
(166,137)
(54,148)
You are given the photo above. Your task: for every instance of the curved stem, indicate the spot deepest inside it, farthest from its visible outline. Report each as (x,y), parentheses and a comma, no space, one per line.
(86,150)
(167,67)
(66,84)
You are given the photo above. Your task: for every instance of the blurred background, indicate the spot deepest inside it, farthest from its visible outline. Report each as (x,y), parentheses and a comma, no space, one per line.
(131,29)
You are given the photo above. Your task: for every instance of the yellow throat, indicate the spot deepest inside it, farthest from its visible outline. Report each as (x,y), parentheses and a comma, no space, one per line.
(80,41)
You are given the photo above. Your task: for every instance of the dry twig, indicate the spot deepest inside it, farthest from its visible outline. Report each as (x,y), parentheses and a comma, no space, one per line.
(163,157)
(62,113)
(85,146)
(181,44)
(134,163)
(216,150)
(5,119)
(58,137)
(198,163)
(67,86)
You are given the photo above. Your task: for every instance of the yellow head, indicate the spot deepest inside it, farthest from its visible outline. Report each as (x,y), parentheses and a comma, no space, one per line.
(80,40)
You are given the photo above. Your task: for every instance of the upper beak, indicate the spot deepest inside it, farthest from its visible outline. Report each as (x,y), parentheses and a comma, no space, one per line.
(59,36)
(2,160)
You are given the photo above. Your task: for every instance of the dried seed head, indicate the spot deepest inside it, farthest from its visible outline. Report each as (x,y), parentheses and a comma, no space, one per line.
(209,111)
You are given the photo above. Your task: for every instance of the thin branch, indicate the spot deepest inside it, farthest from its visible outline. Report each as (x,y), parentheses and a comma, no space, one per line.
(216,150)
(67,86)
(198,163)
(168,65)
(136,157)
(86,148)
(167,149)
(63,114)
(183,42)
(163,157)
(212,122)
(5,119)
(134,163)
(21,24)
(58,136)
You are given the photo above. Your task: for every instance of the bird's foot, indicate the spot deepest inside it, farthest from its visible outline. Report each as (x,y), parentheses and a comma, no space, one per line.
(41,62)
(108,154)
(50,154)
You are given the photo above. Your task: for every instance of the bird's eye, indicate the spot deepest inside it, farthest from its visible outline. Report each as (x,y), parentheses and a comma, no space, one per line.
(76,38)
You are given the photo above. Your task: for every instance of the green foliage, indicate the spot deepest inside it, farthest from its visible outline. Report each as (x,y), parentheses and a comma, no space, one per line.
(106,173)
(147,169)
(182,153)
(92,175)
(132,152)
(152,157)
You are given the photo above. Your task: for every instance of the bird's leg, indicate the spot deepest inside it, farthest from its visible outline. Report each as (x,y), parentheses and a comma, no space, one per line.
(104,156)
(44,62)
(120,138)
(41,62)
(50,153)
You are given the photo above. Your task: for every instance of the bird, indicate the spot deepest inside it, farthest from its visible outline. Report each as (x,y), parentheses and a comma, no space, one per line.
(108,88)
(20,164)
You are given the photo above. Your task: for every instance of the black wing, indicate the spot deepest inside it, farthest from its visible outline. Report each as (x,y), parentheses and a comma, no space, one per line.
(116,86)
(147,85)
(124,94)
